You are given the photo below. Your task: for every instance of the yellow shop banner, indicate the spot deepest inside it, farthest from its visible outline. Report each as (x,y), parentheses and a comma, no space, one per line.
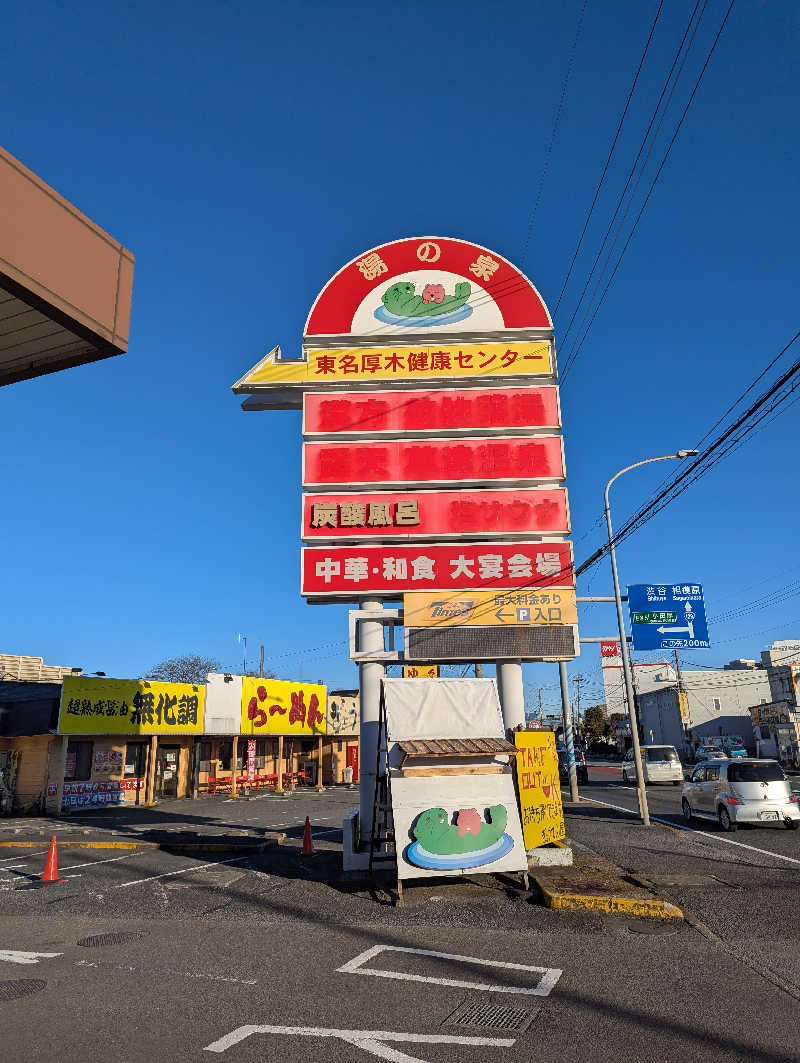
(130,707)
(277,707)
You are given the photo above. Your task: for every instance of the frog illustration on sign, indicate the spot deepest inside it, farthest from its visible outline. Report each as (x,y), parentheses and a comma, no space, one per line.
(469,842)
(401,299)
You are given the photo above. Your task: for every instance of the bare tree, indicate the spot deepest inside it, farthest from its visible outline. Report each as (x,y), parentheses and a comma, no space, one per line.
(190,668)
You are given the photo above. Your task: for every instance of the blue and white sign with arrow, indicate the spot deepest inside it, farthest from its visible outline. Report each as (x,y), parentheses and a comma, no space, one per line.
(667,616)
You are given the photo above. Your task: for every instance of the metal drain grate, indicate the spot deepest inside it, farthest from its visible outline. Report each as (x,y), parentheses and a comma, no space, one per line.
(492,1017)
(96,941)
(21,987)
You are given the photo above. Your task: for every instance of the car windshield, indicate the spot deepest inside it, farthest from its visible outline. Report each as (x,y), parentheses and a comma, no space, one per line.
(755,773)
(661,753)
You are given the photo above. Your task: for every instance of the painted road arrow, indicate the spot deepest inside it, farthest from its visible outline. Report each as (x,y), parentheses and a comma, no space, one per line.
(14,956)
(372,1041)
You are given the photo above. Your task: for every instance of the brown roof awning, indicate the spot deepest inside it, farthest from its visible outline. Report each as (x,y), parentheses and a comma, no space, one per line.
(457,747)
(65,284)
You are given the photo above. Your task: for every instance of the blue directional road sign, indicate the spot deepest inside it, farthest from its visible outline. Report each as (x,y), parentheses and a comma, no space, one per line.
(667,616)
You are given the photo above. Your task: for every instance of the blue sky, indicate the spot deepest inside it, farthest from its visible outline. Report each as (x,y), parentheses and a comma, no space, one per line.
(244,153)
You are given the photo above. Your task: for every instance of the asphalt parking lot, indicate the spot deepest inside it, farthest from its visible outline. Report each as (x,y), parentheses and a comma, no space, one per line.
(187,954)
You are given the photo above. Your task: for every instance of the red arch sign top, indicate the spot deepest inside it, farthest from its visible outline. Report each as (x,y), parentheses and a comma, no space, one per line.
(426,283)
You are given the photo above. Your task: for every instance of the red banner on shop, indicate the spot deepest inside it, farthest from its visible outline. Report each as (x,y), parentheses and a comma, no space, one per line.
(430,411)
(389,570)
(428,461)
(609,649)
(435,514)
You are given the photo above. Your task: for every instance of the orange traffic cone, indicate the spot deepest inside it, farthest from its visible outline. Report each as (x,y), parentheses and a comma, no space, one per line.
(51,866)
(308,846)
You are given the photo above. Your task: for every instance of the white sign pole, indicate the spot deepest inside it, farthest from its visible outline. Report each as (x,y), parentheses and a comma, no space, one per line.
(370,675)
(512,694)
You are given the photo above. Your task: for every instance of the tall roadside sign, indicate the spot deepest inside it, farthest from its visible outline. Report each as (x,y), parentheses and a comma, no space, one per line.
(433,461)
(668,616)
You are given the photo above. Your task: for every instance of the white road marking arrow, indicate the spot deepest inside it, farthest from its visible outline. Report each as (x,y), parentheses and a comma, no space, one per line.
(372,1041)
(12,956)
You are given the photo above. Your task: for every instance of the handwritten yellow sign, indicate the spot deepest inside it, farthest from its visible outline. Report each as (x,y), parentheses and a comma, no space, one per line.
(275,707)
(448,361)
(539,788)
(421,671)
(130,707)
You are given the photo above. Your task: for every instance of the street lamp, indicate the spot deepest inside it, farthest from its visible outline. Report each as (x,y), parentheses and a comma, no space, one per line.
(626,666)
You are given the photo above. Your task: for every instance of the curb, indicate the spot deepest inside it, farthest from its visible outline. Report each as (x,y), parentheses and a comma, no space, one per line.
(197,847)
(610,905)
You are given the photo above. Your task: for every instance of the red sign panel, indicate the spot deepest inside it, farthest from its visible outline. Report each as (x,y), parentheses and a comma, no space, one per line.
(609,649)
(389,570)
(429,461)
(430,411)
(436,514)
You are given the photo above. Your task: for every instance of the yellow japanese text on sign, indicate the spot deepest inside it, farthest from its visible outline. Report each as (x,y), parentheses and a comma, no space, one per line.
(539,788)
(683,705)
(421,671)
(515,608)
(275,707)
(425,362)
(130,707)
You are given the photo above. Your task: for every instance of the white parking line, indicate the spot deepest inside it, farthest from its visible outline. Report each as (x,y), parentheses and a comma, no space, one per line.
(182,871)
(693,830)
(109,860)
(29,855)
(546,977)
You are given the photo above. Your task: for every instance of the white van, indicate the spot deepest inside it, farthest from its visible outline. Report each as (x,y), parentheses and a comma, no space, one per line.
(659,764)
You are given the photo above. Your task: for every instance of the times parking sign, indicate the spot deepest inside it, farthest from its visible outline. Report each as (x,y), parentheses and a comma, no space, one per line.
(668,616)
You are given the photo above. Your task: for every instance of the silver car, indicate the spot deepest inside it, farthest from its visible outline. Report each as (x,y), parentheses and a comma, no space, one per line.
(741,791)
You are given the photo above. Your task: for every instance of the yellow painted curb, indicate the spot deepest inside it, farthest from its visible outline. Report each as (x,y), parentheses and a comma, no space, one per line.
(206,847)
(610,905)
(65,844)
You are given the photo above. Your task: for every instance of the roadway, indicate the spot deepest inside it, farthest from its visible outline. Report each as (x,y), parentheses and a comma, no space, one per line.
(264,956)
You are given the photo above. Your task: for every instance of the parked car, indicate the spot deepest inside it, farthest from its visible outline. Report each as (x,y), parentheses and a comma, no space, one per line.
(659,764)
(741,791)
(710,753)
(581,770)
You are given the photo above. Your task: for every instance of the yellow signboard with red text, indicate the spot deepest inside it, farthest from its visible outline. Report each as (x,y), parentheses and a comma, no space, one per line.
(540,805)
(421,671)
(445,362)
(277,707)
(130,707)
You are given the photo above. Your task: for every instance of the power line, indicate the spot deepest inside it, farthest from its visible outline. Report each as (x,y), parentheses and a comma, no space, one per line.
(608,157)
(574,354)
(556,120)
(702,463)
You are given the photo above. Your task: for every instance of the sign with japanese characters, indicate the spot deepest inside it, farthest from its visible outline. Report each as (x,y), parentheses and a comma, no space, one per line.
(509,512)
(130,707)
(421,671)
(554,605)
(432,462)
(421,362)
(91,794)
(609,649)
(541,810)
(276,707)
(354,571)
(441,411)
(667,616)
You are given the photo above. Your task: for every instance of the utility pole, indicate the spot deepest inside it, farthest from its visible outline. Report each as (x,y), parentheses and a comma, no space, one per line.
(578,681)
(479,671)
(541,717)
(681,696)
(566,714)
(261,664)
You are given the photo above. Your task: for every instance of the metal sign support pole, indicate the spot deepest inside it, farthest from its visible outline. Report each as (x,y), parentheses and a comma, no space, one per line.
(566,712)
(512,694)
(370,675)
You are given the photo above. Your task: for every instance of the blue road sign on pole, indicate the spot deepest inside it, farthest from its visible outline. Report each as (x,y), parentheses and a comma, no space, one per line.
(667,616)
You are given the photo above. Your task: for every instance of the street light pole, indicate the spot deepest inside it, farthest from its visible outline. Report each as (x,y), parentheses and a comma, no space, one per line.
(644,812)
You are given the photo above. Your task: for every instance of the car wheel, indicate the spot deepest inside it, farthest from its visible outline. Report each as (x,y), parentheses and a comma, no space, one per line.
(687,810)
(792,824)
(725,820)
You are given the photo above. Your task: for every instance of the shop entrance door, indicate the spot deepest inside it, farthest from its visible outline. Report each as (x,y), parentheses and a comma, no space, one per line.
(167,762)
